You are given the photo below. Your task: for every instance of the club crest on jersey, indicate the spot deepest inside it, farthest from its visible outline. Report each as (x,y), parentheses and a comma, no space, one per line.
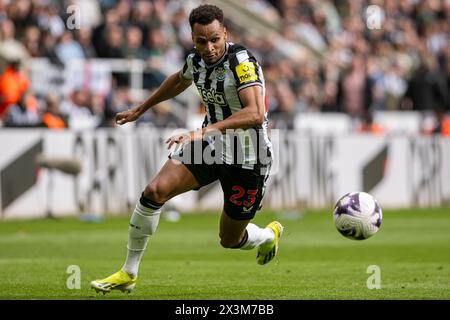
(246,72)
(220,73)
(211,96)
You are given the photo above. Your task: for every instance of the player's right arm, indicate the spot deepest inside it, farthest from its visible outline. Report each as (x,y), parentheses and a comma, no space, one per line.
(171,87)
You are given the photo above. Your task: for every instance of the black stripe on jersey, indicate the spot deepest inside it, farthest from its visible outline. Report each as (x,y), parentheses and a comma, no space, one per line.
(255,142)
(207,86)
(220,85)
(212,112)
(236,48)
(205,122)
(196,66)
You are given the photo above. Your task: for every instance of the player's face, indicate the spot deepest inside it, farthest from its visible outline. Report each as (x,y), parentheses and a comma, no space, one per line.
(209,41)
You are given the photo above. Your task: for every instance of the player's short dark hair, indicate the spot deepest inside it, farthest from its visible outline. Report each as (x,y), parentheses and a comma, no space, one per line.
(205,14)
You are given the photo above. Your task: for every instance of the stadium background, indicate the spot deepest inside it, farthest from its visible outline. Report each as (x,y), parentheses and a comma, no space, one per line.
(358,94)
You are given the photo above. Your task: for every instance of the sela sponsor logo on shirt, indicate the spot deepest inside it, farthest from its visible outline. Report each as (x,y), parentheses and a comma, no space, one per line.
(211,96)
(246,72)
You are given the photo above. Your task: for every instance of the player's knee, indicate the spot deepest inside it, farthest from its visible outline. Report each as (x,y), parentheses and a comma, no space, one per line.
(157,192)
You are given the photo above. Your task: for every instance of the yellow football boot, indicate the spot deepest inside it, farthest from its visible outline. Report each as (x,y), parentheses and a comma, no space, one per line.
(267,251)
(117,281)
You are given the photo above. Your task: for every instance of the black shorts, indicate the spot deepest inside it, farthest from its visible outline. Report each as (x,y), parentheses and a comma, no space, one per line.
(243,189)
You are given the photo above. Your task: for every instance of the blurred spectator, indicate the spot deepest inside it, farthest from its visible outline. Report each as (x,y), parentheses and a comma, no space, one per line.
(48,19)
(442,123)
(355,87)
(133,48)
(11,49)
(427,89)
(118,100)
(13,85)
(3,15)
(77,110)
(436,123)
(19,11)
(24,113)
(52,118)
(48,46)
(110,19)
(123,8)
(182,29)
(161,116)
(263,9)
(68,49)
(394,87)
(404,63)
(112,46)
(8,31)
(101,107)
(305,29)
(368,125)
(445,129)
(108,116)
(446,73)
(31,40)
(281,99)
(84,37)
(141,15)
(155,44)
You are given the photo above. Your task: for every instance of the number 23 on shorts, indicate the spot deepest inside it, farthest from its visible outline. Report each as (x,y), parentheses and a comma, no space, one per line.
(237,197)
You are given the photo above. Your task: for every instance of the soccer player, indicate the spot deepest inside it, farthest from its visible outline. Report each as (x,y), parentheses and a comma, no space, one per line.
(231,84)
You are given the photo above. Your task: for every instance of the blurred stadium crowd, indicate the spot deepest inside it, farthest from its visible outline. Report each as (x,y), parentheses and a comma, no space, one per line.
(353,68)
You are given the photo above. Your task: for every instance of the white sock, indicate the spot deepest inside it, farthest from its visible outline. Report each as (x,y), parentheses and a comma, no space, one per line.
(257,236)
(143,224)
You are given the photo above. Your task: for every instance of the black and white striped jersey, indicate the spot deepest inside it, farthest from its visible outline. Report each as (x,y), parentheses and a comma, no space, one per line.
(219,85)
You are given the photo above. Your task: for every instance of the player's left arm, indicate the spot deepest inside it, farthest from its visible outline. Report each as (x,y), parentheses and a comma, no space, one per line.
(251,115)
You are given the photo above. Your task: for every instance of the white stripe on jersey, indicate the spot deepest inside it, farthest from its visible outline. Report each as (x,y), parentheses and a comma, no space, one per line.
(242,56)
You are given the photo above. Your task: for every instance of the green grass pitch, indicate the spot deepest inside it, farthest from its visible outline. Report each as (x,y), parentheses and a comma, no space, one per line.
(185,261)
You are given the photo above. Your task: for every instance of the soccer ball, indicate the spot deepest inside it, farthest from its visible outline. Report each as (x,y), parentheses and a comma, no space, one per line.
(357,215)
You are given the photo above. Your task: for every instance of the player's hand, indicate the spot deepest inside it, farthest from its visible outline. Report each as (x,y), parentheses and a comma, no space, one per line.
(127,116)
(182,139)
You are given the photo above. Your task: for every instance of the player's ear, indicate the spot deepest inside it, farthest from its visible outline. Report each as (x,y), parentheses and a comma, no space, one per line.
(225,34)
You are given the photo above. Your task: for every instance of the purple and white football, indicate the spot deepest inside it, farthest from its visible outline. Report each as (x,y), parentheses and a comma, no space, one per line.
(357,215)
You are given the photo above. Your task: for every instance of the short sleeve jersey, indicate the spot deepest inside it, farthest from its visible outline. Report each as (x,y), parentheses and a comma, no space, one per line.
(219,85)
